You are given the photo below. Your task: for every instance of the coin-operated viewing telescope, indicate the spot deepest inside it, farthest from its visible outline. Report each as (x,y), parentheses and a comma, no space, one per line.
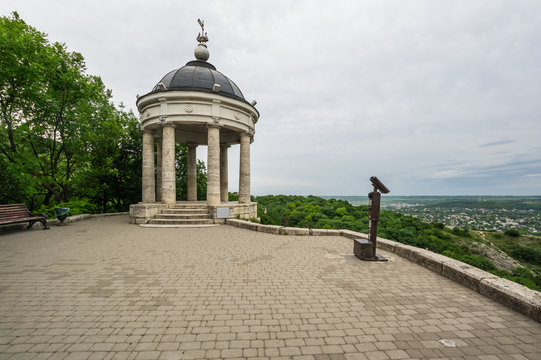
(366,249)
(378,185)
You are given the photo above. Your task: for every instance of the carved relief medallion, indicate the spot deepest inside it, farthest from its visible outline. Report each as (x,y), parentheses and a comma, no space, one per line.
(188,108)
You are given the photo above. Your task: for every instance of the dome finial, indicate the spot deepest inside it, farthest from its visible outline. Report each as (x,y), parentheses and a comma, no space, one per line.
(201,52)
(202,37)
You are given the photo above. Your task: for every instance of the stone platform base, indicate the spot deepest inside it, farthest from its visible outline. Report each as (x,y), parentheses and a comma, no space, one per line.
(235,210)
(142,213)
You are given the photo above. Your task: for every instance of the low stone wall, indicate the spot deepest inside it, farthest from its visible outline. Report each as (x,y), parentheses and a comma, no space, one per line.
(247,211)
(75,218)
(515,296)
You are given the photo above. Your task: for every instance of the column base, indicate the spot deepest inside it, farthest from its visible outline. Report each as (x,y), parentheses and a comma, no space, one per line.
(141,213)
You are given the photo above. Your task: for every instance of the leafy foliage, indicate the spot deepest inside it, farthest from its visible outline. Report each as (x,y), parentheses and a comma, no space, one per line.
(512,232)
(53,120)
(49,106)
(521,253)
(181,168)
(111,174)
(76,206)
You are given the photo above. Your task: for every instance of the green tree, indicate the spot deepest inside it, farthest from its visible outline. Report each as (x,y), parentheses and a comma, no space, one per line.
(111,176)
(49,110)
(181,169)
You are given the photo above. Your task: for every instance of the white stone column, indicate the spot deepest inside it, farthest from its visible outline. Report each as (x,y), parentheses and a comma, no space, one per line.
(148,195)
(244,176)
(213,166)
(158,168)
(192,172)
(224,190)
(169,190)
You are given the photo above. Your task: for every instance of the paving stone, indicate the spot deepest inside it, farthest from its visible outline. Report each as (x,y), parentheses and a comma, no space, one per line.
(80,355)
(231,353)
(23,356)
(103,288)
(147,355)
(171,355)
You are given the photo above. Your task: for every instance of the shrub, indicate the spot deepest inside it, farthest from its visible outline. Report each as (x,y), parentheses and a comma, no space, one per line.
(512,232)
(76,206)
(460,232)
(521,253)
(523,272)
(474,260)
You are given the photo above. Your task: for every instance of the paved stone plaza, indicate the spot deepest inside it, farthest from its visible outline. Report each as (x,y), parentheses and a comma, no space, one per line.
(105,289)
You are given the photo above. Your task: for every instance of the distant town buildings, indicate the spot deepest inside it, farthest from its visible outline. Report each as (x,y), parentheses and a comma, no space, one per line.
(527,221)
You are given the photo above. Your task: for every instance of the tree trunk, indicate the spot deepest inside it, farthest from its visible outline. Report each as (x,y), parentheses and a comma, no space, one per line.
(47,198)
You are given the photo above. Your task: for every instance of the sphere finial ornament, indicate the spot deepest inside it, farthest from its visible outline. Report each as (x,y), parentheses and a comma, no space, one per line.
(201,52)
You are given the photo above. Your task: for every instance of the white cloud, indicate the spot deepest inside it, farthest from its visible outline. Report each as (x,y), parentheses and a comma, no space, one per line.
(423,94)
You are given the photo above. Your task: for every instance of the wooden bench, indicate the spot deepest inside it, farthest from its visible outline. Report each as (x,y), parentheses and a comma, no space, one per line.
(19,213)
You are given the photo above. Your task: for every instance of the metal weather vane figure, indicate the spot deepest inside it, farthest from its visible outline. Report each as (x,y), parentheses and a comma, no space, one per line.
(202,37)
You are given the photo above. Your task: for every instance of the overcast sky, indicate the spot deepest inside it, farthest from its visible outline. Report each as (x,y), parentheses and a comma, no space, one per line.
(433,97)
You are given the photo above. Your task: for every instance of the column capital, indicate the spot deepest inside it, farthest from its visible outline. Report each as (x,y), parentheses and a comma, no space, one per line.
(192,144)
(225,146)
(214,125)
(248,134)
(147,131)
(167,124)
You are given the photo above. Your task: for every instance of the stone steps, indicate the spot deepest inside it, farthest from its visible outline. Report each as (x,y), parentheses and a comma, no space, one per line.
(183,215)
(190,206)
(177,226)
(180,221)
(175,211)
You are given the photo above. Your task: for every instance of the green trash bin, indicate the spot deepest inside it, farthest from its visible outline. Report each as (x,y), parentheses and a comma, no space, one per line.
(61,214)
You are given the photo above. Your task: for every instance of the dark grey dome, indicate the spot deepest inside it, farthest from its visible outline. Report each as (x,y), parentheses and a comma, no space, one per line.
(199,76)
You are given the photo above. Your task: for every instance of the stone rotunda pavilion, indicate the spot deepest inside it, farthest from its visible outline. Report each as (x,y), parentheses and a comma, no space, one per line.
(194,105)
